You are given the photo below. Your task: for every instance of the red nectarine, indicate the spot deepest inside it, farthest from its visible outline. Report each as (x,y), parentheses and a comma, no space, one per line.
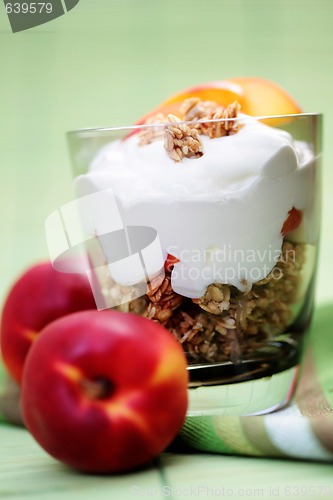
(104,391)
(37,298)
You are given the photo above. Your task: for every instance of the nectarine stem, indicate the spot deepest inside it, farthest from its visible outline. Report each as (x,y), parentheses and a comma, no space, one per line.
(99,388)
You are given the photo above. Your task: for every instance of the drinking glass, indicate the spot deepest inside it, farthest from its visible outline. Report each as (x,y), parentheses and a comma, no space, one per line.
(244,344)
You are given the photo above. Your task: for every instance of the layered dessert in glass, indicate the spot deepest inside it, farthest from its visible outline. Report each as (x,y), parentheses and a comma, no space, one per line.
(235,203)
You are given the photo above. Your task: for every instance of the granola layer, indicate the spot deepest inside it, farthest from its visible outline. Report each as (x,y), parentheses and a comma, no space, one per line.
(224,324)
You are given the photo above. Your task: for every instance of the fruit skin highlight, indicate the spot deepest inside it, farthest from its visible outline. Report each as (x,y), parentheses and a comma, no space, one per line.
(257,97)
(104,391)
(38,297)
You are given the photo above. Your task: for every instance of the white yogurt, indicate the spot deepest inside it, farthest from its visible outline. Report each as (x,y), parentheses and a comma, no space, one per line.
(221,215)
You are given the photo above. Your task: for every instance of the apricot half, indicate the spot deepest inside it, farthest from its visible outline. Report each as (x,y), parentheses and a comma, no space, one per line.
(257,97)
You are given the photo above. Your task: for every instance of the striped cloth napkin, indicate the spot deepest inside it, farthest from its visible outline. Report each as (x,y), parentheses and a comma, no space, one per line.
(302,430)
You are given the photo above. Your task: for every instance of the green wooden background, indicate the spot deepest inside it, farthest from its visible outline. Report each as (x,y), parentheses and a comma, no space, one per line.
(103,64)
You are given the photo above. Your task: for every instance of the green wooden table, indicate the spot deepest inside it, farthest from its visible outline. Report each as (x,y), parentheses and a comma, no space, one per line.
(105,63)
(26,472)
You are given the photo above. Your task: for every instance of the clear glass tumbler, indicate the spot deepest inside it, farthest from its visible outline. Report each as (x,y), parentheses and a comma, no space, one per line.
(216,240)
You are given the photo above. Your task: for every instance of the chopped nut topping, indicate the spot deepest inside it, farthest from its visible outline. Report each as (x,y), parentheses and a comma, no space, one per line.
(216,299)
(181,141)
(195,109)
(162,299)
(113,293)
(150,134)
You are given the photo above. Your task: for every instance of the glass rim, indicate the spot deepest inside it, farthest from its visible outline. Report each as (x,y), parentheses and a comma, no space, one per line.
(96,130)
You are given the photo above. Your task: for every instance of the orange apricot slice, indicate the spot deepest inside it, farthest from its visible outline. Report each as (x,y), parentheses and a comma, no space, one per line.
(257,97)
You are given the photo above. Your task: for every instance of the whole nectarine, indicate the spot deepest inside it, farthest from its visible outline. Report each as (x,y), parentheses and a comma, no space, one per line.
(37,298)
(104,391)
